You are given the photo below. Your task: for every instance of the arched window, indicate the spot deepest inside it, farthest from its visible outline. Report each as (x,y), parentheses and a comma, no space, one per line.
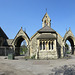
(43,45)
(49,45)
(40,45)
(52,45)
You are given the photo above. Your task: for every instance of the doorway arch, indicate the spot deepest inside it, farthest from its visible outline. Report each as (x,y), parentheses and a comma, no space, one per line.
(71,42)
(70,37)
(21,36)
(18,42)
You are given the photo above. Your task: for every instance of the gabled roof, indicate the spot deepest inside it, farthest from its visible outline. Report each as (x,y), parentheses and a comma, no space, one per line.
(68,34)
(46,29)
(46,36)
(21,35)
(2,34)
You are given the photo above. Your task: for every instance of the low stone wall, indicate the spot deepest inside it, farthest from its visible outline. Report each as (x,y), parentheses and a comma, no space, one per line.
(47,54)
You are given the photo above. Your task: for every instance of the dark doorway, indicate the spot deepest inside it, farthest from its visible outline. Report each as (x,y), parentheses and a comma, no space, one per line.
(20,46)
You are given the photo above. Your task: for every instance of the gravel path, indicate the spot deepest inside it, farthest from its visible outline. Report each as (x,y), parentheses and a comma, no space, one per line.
(32,67)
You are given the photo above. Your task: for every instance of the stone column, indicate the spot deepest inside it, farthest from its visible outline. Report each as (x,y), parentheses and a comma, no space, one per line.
(45,45)
(48,45)
(74,49)
(55,49)
(37,50)
(62,53)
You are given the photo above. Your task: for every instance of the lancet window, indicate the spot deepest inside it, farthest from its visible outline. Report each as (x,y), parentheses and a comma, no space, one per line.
(40,45)
(43,45)
(46,45)
(49,45)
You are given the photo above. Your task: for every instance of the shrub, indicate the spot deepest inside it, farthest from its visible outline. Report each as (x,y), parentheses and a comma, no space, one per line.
(68,52)
(33,57)
(27,57)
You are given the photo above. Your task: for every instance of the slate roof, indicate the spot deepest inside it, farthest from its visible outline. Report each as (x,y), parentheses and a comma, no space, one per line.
(2,34)
(46,29)
(46,36)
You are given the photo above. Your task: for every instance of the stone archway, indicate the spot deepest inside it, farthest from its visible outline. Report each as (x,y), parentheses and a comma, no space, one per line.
(71,42)
(70,37)
(18,42)
(21,35)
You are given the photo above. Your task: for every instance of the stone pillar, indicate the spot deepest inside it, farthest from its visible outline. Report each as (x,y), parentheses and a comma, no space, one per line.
(37,50)
(45,45)
(74,49)
(48,45)
(14,50)
(55,49)
(62,51)
(62,54)
(31,49)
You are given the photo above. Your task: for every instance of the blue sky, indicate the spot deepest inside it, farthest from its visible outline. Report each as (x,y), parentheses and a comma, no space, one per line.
(28,14)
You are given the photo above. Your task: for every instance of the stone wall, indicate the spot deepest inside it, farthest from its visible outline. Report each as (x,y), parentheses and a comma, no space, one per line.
(42,54)
(60,45)
(33,45)
(49,54)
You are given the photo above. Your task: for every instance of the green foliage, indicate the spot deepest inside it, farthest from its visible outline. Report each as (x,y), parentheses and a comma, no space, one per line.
(67,46)
(23,50)
(27,57)
(68,52)
(33,57)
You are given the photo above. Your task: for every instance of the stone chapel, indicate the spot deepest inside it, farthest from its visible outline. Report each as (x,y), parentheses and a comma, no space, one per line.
(46,43)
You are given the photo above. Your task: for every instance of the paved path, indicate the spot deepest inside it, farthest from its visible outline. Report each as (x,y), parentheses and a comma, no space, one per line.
(32,67)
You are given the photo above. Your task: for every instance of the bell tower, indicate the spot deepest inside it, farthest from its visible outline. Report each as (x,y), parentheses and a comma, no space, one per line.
(46,20)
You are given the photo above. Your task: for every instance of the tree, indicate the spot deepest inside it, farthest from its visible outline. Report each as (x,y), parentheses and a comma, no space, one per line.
(23,49)
(67,46)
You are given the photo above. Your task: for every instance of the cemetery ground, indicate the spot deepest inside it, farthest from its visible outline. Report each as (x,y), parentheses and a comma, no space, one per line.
(20,66)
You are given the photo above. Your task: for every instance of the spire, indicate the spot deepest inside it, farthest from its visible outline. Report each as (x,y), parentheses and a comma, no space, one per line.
(46,20)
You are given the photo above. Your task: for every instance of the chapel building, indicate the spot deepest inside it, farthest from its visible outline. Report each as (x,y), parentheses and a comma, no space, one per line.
(46,43)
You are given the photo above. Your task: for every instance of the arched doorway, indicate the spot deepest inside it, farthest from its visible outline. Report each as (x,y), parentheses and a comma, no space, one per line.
(23,48)
(69,45)
(70,38)
(20,47)
(19,38)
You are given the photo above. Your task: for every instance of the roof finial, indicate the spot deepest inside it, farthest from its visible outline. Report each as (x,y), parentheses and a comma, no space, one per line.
(21,27)
(46,10)
(69,28)
(66,29)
